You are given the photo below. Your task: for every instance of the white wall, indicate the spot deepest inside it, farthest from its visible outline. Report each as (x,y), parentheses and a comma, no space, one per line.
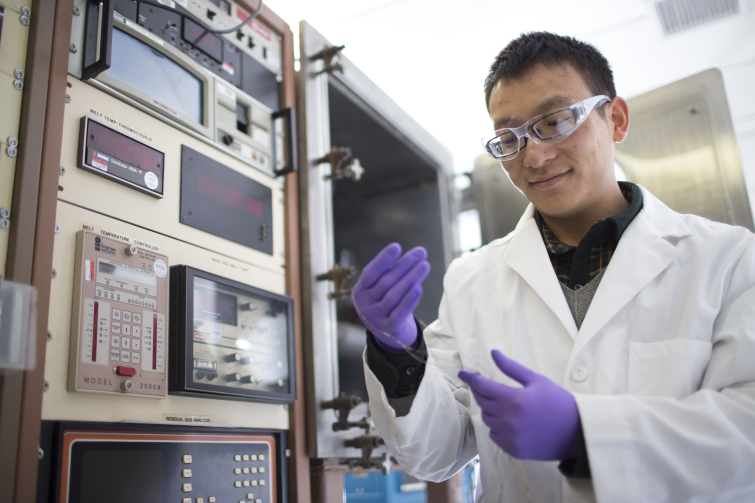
(432,56)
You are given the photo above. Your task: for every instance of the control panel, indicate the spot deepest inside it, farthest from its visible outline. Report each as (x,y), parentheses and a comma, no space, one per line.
(159,468)
(119,320)
(230,340)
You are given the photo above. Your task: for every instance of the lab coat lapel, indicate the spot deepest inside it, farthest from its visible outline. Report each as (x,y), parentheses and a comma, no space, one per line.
(642,254)
(526,254)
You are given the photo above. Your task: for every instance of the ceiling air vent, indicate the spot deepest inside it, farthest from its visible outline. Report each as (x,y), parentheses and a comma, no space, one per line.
(679,15)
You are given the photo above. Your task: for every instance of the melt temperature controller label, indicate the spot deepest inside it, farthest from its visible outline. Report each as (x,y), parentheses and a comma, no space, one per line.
(120,318)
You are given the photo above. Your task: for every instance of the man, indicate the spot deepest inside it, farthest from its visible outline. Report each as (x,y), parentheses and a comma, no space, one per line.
(604,349)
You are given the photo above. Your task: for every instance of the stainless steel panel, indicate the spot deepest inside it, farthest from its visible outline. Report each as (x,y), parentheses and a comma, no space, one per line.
(681,147)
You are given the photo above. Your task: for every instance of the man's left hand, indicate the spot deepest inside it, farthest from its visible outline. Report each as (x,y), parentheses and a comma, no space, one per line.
(539,421)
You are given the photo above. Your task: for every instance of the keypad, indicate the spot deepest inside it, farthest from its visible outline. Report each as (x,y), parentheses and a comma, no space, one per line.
(116,328)
(125,356)
(117,314)
(126,328)
(136,331)
(127,316)
(125,343)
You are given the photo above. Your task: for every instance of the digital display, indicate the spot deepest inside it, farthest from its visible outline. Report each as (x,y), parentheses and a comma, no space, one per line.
(208,43)
(213,305)
(129,274)
(225,202)
(113,472)
(140,66)
(112,154)
(228,195)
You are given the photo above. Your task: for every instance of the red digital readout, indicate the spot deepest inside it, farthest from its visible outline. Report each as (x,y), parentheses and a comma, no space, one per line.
(232,197)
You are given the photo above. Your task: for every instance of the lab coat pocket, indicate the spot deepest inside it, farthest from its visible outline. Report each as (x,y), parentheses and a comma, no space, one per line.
(672,368)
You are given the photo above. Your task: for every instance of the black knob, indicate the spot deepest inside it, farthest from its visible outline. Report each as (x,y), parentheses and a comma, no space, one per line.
(246,360)
(247,379)
(232,358)
(247,306)
(211,376)
(211,15)
(227,139)
(201,374)
(232,377)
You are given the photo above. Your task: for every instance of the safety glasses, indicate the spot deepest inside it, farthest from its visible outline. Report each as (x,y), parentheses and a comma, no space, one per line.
(545,129)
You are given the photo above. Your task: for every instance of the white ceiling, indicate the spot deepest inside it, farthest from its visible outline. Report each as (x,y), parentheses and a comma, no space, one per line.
(432,56)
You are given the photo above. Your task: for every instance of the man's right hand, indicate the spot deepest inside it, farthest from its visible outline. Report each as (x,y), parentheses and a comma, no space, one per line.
(387,293)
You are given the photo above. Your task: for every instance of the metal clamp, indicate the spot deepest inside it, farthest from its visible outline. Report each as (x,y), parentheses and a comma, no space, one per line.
(342,164)
(344,404)
(338,275)
(367,443)
(332,57)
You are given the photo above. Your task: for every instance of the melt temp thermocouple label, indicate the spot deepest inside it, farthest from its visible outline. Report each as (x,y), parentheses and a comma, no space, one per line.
(120,319)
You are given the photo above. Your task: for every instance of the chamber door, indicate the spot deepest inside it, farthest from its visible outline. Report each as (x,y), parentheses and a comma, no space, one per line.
(371,175)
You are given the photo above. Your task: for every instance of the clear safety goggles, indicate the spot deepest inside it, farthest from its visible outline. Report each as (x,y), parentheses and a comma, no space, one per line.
(545,129)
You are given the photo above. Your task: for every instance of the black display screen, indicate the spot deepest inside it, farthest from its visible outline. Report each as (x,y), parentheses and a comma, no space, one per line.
(113,472)
(224,202)
(213,305)
(208,43)
(140,66)
(112,154)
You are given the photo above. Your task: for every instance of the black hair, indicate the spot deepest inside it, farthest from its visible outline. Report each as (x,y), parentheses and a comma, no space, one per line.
(551,50)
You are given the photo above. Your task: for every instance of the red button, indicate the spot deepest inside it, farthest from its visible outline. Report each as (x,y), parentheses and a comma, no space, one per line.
(125,371)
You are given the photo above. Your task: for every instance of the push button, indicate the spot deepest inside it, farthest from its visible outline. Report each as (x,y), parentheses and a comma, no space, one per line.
(262,482)
(262,457)
(237,471)
(186,488)
(211,499)
(237,457)
(262,469)
(253,457)
(186,500)
(237,483)
(579,374)
(186,459)
(246,470)
(250,496)
(186,473)
(125,371)
(245,457)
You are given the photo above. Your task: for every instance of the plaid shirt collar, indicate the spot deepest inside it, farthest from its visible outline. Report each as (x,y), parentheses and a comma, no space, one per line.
(596,249)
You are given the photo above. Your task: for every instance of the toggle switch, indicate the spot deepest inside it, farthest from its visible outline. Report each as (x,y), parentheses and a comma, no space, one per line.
(125,371)
(247,379)
(232,377)
(234,357)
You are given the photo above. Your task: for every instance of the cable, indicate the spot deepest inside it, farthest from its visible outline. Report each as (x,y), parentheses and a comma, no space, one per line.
(190,16)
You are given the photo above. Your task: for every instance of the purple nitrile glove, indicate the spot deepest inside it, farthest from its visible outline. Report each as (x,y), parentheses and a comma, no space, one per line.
(539,421)
(387,293)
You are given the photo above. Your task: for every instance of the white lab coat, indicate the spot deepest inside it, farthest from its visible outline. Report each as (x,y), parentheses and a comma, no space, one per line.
(663,365)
